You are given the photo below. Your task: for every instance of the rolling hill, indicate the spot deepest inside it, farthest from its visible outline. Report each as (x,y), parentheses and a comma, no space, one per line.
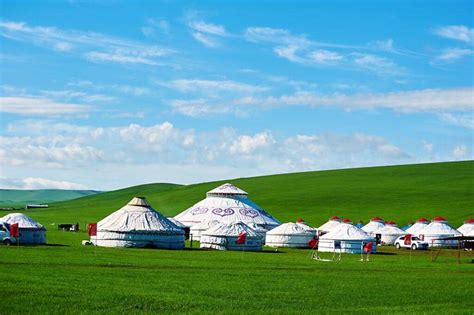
(400,193)
(23,196)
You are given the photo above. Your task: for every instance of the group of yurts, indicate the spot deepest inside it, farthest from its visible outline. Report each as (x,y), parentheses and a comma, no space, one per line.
(228,220)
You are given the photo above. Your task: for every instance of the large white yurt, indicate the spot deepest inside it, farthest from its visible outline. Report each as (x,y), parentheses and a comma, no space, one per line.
(330,225)
(347,237)
(31,232)
(224,237)
(374,224)
(467,229)
(227,204)
(290,235)
(137,224)
(420,224)
(439,228)
(197,229)
(388,233)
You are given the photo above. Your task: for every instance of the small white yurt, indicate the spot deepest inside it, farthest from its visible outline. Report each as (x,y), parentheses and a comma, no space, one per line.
(439,228)
(137,224)
(388,233)
(224,237)
(467,229)
(374,224)
(31,232)
(419,225)
(330,225)
(259,230)
(227,204)
(347,237)
(290,235)
(197,229)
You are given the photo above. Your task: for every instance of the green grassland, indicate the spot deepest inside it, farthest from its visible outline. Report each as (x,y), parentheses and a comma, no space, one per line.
(68,277)
(19,197)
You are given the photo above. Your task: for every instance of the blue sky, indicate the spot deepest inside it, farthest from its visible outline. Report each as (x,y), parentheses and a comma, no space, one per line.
(108,94)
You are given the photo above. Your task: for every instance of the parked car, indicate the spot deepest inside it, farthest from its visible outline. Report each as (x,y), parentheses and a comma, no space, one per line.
(5,237)
(416,243)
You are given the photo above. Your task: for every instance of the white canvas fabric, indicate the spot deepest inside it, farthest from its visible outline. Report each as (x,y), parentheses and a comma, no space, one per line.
(467,229)
(349,238)
(197,229)
(31,232)
(178,224)
(230,206)
(374,224)
(137,224)
(224,237)
(290,235)
(439,228)
(389,234)
(330,225)
(419,225)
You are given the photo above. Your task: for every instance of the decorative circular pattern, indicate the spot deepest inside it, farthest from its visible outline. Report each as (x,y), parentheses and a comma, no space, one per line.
(223,212)
(199,210)
(249,212)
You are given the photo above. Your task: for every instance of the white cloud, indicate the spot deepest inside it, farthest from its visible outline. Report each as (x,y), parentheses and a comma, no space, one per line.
(153,25)
(249,144)
(460,120)
(453,54)
(37,183)
(32,106)
(206,40)
(460,151)
(92,46)
(211,86)
(456,32)
(376,64)
(209,28)
(325,56)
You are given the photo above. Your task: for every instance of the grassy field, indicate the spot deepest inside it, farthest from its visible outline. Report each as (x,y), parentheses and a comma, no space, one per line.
(68,277)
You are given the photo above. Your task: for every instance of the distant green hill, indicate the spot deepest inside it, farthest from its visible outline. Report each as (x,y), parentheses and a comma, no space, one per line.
(21,197)
(399,193)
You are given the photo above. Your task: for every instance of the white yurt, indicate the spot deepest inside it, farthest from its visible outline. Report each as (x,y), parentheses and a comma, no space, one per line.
(420,224)
(347,237)
(439,228)
(290,235)
(197,229)
(137,224)
(178,224)
(224,237)
(227,204)
(388,233)
(31,232)
(467,229)
(330,225)
(259,230)
(374,224)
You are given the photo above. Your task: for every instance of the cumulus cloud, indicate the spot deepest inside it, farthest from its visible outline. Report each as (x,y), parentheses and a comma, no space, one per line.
(456,32)
(37,183)
(460,152)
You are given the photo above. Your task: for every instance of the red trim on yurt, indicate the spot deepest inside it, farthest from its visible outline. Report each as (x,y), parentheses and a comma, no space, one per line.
(347,221)
(377,219)
(300,220)
(469,221)
(391,223)
(334,218)
(422,220)
(439,219)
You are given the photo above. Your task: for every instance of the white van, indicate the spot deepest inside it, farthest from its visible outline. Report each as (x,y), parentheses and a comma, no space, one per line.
(5,237)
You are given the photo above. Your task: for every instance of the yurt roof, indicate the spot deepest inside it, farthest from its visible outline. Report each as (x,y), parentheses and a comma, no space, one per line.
(469,221)
(204,225)
(23,220)
(226,210)
(349,221)
(335,218)
(418,226)
(389,230)
(372,226)
(347,232)
(440,227)
(227,189)
(290,228)
(391,223)
(376,219)
(256,227)
(137,216)
(467,229)
(439,219)
(328,226)
(179,224)
(423,220)
(233,229)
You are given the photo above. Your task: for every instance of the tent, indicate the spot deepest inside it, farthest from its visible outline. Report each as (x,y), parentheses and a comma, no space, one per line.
(388,233)
(290,235)
(31,232)
(439,228)
(374,224)
(137,224)
(227,204)
(330,225)
(347,238)
(224,237)
(200,227)
(420,224)
(467,229)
